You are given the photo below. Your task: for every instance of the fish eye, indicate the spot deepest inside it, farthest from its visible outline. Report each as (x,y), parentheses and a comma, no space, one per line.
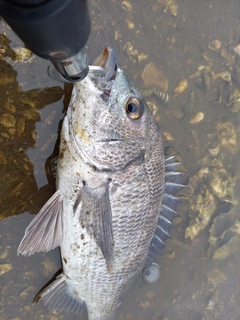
(134,108)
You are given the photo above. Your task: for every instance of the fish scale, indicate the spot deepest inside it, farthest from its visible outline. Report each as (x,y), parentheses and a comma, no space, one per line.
(105,213)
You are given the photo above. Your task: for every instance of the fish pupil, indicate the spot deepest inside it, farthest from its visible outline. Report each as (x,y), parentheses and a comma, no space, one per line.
(132,107)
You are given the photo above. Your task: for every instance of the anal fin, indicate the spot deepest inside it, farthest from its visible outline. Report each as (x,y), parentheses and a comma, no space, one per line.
(46,230)
(57,296)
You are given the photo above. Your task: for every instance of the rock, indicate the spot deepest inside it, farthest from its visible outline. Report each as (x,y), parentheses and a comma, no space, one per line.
(154,77)
(22,54)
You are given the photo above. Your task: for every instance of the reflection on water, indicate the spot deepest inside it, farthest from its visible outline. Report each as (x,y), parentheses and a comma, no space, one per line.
(192,51)
(18,116)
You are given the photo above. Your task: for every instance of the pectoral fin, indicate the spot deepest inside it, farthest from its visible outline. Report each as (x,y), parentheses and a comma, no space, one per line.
(96,216)
(45,231)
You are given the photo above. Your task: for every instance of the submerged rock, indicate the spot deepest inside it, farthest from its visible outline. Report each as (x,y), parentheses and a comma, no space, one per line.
(154,77)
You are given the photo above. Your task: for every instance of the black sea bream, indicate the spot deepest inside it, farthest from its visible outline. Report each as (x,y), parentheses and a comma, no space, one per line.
(105,214)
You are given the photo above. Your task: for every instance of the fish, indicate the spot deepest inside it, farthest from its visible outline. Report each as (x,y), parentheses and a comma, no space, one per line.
(114,202)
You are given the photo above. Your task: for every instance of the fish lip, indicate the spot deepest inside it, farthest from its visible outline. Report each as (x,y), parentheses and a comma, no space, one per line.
(108,61)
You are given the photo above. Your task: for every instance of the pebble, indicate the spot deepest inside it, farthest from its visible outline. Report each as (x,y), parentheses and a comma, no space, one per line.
(171,255)
(29,289)
(5,135)
(4,254)
(225,75)
(216,277)
(4,81)
(3,160)
(29,274)
(5,267)
(152,106)
(150,294)
(7,120)
(181,86)
(16,191)
(168,136)
(144,304)
(214,151)
(30,103)
(27,308)
(130,51)
(21,126)
(173,9)
(31,115)
(116,35)
(215,45)
(130,24)
(126,6)
(9,107)
(34,135)
(197,118)
(142,57)
(49,267)
(237,49)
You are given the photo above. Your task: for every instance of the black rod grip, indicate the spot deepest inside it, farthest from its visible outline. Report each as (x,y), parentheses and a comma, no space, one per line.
(52,29)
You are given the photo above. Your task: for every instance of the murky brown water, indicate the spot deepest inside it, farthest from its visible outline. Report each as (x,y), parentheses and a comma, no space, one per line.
(196,42)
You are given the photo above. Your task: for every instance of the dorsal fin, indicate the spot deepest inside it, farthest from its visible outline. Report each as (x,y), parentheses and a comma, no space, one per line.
(173,183)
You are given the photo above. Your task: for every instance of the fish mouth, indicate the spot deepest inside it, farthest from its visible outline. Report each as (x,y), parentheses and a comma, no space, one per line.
(110,140)
(108,61)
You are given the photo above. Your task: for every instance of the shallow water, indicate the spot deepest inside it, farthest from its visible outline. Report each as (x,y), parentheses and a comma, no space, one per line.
(199,267)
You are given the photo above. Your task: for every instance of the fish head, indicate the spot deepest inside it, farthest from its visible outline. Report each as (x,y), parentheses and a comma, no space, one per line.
(110,123)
